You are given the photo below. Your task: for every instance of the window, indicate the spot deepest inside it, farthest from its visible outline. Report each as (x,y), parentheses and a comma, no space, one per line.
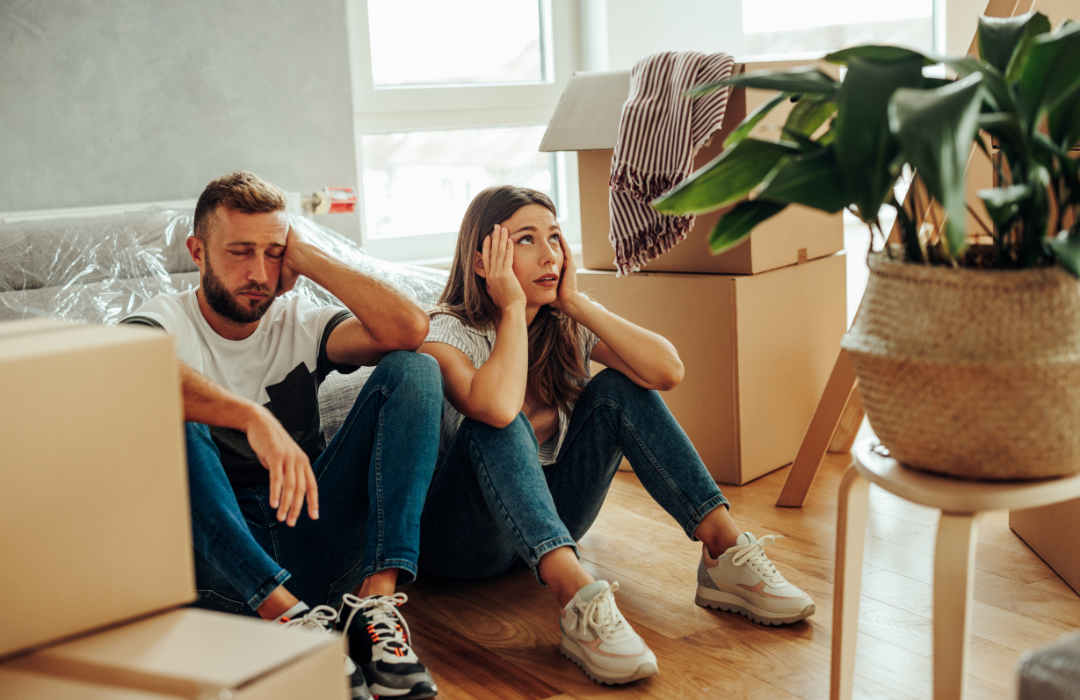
(450,98)
(795,26)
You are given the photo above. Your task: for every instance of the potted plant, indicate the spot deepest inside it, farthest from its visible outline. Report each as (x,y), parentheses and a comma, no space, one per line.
(967,343)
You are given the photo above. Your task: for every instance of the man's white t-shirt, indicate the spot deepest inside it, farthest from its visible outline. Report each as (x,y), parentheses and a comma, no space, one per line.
(279,366)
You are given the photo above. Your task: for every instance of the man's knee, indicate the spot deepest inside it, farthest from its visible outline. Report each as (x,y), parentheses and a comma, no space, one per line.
(413,368)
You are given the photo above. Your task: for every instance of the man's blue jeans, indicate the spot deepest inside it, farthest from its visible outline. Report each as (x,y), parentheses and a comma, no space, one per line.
(372,477)
(492,502)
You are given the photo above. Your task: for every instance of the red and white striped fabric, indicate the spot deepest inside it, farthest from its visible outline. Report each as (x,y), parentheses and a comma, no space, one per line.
(660,131)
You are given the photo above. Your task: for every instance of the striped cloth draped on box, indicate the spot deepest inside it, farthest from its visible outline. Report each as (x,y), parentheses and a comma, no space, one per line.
(660,131)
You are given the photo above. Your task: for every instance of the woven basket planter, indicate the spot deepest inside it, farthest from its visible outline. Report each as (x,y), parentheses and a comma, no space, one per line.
(971,373)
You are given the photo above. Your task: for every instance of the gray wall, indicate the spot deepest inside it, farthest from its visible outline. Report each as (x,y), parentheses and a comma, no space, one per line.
(116,101)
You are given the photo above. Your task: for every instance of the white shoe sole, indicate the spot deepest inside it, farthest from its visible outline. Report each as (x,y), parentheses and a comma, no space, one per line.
(718,600)
(571,650)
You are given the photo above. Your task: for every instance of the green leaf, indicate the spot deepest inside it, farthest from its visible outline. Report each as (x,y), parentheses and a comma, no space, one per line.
(864,146)
(747,125)
(878,54)
(804,143)
(936,128)
(1063,120)
(1066,248)
(812,180)
(1003,203)
(1050,72)
(999,37)
(1006,128)
(1037,25)
(804,79)
(809,114)
(1045,152)
(733,228)
(726,179)
(993,79)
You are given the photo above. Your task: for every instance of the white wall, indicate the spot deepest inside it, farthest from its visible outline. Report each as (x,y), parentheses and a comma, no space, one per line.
(637,28)
(961,23)
(120,101)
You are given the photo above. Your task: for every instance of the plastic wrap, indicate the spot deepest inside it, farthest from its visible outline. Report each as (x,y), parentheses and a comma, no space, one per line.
(98,269)
(1052,672)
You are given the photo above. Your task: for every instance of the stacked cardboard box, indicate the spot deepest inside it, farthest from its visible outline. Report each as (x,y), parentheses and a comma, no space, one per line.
(97,554)
(757,328)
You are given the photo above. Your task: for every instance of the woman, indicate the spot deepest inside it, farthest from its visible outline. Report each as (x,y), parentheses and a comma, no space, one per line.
(530,444)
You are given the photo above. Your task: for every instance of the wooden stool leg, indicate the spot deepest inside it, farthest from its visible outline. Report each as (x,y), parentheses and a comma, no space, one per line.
(954,565)
(854,503)
(819,434)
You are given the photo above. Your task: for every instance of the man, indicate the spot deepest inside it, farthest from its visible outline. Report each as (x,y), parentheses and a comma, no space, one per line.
(251,365)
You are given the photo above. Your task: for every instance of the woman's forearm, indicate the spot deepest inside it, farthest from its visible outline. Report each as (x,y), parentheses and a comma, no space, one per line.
(649,355)
(498,387)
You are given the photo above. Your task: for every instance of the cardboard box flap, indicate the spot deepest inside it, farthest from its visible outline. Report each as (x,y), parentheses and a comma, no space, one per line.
(26,685)
(587,117)
(181,652)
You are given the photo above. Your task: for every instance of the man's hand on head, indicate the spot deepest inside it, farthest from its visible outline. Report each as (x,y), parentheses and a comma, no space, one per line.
(291,479)
(294,261)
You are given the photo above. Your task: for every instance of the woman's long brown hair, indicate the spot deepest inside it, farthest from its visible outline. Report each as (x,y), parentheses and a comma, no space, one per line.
(555,367)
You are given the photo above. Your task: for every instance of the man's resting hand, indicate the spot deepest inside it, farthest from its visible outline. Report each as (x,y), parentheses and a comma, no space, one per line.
(291,478)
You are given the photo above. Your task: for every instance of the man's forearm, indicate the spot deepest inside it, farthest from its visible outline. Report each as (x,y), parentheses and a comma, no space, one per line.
(387,313)
(208,403)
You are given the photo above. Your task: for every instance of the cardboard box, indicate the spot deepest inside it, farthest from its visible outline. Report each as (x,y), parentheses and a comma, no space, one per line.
(198,654)
(1053,532)
(26,685)
(587,121)
(757,350)
(97,527)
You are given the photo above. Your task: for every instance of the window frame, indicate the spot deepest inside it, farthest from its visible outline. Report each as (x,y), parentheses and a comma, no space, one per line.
(407,108)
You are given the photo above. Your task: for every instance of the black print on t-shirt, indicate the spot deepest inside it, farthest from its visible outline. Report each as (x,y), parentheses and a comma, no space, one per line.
(294,401)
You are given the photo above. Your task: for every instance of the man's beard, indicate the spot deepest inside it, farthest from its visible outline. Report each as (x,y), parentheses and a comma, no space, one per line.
(224,302)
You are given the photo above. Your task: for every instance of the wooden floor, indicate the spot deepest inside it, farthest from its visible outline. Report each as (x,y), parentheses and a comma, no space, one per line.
(499,638)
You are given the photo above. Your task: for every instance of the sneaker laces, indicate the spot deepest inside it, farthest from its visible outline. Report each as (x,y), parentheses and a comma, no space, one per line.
(603,615)
(754,553)
(385,625)
(321,618)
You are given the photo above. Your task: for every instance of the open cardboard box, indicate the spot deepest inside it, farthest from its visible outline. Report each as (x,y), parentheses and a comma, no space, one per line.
(97,527)
(587,121)
(196,655)
(758,351)
(1053,532)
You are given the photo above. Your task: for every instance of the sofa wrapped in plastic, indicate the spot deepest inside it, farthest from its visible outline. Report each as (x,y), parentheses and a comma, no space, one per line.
(98,269)
(1052,672)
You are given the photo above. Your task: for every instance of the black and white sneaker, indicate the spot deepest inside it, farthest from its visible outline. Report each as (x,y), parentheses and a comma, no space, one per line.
(322,619)
(379,644)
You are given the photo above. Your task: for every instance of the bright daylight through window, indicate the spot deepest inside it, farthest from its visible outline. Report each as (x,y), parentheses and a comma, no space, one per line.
(421,182)
(496,41)
(460,106)
(781,26)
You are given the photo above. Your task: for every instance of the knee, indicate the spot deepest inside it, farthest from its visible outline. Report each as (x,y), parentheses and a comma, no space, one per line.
(611,383)
(197,435)
(413,368)
(517,435)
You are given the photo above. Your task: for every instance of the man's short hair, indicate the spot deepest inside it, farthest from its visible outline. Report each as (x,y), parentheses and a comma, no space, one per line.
(239,191)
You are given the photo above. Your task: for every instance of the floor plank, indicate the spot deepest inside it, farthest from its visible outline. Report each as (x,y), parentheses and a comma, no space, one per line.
(498,638)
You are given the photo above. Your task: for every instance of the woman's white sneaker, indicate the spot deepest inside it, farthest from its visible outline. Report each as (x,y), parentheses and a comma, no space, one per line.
(743,580)
(598,638)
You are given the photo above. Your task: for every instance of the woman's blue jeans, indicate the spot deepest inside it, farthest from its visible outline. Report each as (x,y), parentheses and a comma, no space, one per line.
(492,502)
(372,477)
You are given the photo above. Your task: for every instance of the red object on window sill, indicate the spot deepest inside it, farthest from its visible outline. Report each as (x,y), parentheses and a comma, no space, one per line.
(342,199)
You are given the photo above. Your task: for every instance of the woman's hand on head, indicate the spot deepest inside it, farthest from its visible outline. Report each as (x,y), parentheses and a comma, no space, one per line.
(497,258)
(568,289)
